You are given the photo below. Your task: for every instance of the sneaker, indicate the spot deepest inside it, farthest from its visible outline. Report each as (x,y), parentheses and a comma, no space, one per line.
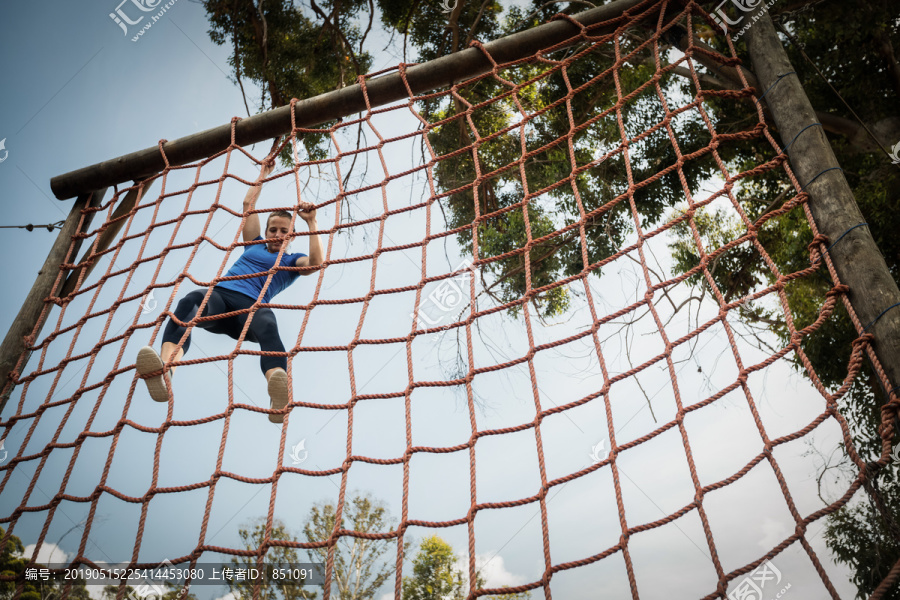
(148,361)
(278,394)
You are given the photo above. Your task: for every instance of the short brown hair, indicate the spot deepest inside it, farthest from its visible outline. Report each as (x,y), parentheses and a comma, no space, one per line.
(278,213)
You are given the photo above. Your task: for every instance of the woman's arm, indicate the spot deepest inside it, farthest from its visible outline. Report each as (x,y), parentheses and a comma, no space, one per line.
(316,256)
(251,225)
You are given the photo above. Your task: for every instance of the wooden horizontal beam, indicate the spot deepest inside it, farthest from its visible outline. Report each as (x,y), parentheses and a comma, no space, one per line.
(434,74)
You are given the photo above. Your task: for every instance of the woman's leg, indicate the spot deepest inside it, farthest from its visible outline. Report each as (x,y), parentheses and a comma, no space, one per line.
(264,331)
(185,311)
(148,361)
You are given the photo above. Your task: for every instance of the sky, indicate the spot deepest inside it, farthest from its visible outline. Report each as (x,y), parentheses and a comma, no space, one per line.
(78,91)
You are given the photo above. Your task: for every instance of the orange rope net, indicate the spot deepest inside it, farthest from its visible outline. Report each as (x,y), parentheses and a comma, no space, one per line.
(88,435)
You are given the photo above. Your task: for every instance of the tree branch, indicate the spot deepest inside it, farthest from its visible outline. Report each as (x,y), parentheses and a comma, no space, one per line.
(886,50)
(855,133)
(339,32)
(477,20)
(237,57)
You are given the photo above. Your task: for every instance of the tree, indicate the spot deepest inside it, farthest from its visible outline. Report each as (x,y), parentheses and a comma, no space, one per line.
(821,31)
(866,77)
(435,576)
(12,562)
(817,36)
(252,539)
(864,535)
(360,567)
(291,51)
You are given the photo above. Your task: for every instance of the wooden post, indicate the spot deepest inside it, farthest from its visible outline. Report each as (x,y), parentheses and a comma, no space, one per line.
(105,239)
(857,260)
(44,286)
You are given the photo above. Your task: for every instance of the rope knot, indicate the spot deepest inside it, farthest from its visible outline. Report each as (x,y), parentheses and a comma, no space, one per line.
(838,290)
(293,117)
(864,339)
(163,152)
(815,254)
(565,17)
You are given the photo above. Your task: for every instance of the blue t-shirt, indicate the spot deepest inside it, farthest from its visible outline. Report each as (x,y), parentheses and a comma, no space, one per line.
(257,259)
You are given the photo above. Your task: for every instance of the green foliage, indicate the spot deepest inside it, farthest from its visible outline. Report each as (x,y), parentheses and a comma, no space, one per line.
(291,52)
(858,534)
(505,158)
(360,568)
(435,576)
(434,33)
(360,565)
(13,563)
(252,539)
(509,189)
(860,539)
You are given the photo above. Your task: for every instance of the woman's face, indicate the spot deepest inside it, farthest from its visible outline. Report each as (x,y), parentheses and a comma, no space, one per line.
(277,228)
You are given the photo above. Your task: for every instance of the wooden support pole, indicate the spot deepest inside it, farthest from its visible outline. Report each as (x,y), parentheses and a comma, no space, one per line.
(44,287)
(440,72)
(105,239)
(856,257)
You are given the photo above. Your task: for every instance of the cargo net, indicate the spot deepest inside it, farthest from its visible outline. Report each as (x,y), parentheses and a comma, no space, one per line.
(518,341)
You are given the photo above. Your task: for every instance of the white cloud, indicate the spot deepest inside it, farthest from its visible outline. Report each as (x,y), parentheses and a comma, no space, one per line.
(228,596)
(95,591)
(48,553)
(389,596)
(492,568)
(774,533)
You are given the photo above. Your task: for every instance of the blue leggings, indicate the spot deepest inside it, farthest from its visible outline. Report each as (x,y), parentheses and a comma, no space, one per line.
(263,328)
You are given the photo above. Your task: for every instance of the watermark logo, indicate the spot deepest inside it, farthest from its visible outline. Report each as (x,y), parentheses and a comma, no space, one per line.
(154,589)
(720,16)
(6,152)
(151,590)
(123,20)
(751,587)
(895,453)
(296,456)
(446,297)
(148,304)
(4,453)
(895,153)
(446,6)
(598,453)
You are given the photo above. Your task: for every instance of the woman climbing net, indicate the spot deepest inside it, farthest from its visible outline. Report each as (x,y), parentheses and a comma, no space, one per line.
(231,302)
